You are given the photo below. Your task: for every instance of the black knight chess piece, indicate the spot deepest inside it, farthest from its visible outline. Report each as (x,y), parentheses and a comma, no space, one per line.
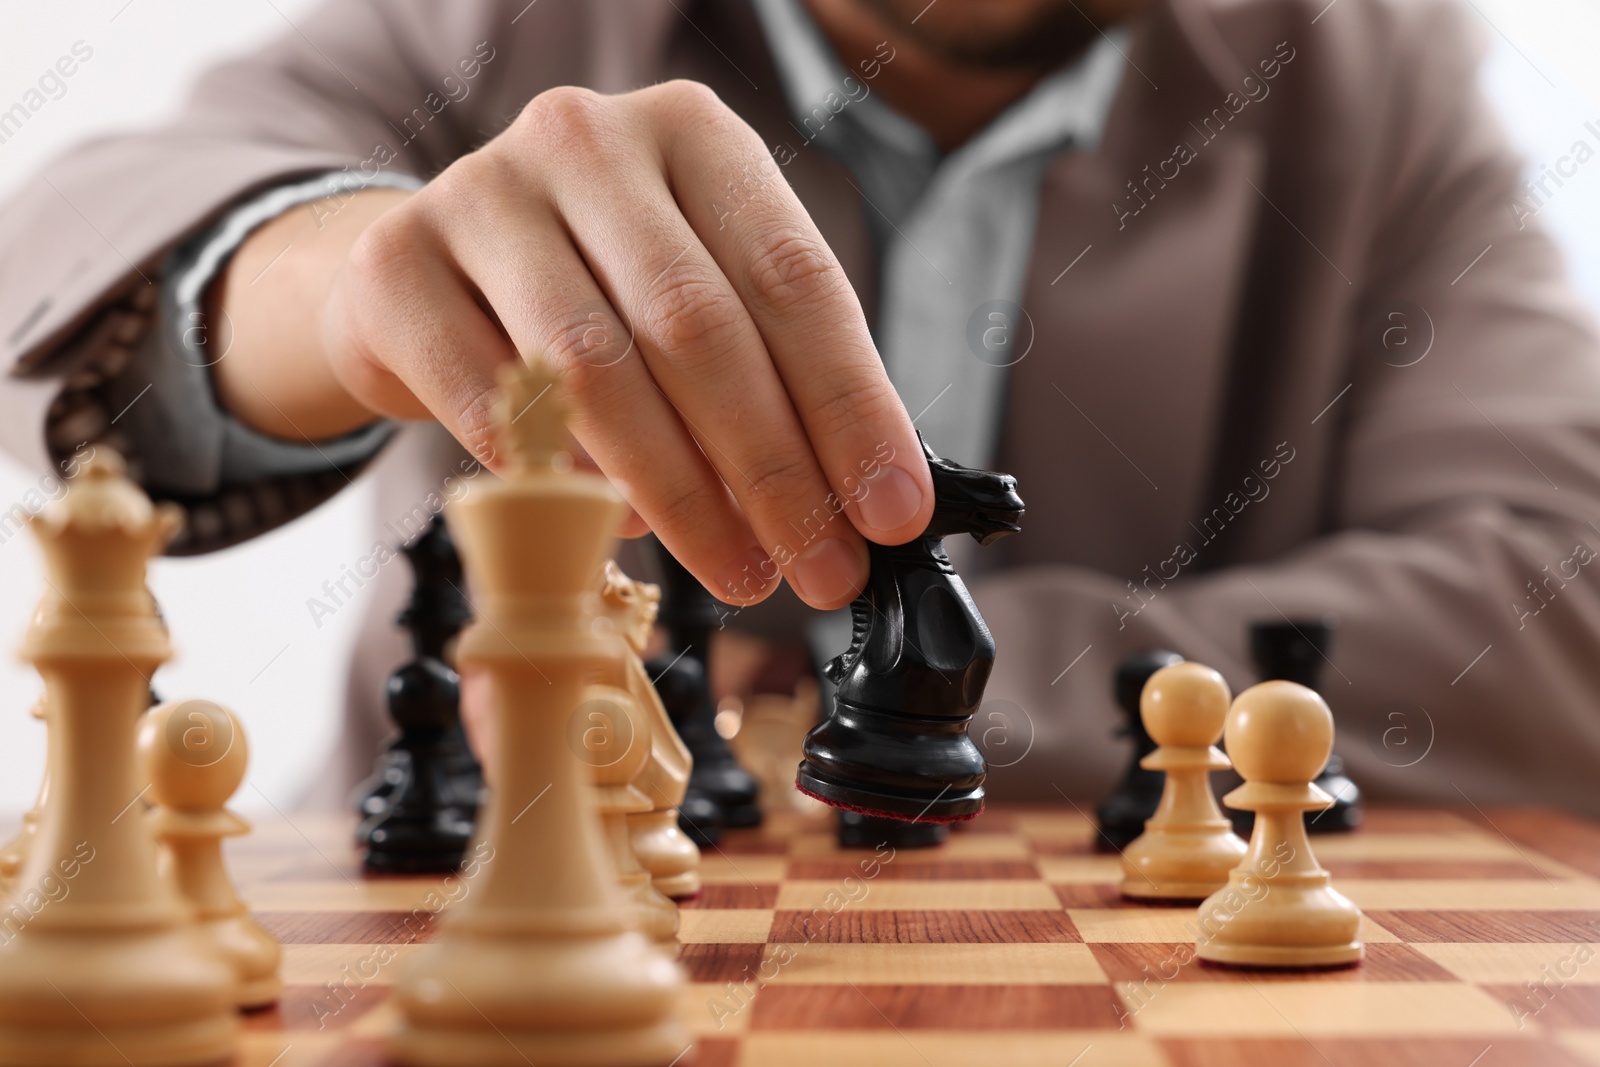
(421,803)
(895,741)
(855,830)
(1121,815)
(1296,651)
(721,793)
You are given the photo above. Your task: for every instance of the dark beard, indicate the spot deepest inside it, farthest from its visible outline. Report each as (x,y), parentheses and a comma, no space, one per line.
(1060,33)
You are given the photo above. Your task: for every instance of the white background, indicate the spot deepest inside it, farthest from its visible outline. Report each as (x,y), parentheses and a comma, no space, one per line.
(239,618)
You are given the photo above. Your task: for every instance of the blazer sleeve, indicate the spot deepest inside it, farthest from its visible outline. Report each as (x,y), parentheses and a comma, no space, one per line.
(377,88)
(1461,555)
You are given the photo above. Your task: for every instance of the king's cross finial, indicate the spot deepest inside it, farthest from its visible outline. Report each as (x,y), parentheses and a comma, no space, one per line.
(531,414)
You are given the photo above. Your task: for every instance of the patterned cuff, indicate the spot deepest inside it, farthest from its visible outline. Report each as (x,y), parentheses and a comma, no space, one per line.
(137,380)
(194,265)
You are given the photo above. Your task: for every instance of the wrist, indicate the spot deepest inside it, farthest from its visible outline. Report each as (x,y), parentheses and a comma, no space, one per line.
(267,306)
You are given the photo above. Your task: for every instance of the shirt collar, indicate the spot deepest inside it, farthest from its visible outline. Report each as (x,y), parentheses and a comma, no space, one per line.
(1070,104)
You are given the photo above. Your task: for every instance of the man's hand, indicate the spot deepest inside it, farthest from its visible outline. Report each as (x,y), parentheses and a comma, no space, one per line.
(719,364)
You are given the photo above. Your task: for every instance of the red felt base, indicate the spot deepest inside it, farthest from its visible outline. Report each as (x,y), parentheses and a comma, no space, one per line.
(888,814)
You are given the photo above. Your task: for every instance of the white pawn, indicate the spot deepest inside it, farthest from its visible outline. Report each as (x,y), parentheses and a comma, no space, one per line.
(1188,846)
(1279,908)
(193,754)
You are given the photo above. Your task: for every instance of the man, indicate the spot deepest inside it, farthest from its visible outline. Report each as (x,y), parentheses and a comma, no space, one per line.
(1234,289)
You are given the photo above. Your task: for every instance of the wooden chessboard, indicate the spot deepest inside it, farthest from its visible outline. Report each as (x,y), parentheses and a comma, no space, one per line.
(1010,946)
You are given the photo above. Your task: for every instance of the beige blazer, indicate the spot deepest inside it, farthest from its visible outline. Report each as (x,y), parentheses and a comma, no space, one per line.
(1294,353)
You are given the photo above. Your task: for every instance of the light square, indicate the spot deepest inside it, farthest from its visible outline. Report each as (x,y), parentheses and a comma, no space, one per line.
(273,831)
(1494,894)
(1379,846)
(339,895)
(1053,826)
(1080,870)
(936,1048)
(720,869)
(298,1049)
(316,964)
(1585,1043)
(1286,1007)
(969,847)
(382,1021)
(1507,964)
(709,1009)
(724,926)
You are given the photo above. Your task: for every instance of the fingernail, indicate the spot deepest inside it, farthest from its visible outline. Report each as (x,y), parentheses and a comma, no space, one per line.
(827,572)
(892,499)
(747,577)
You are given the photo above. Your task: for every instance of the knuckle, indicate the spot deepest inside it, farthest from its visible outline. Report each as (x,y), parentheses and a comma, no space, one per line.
(383,258)
(838,412)
(681,506)
(475,424)
(590,387)
(688,97)
(486,176)
(690,313)
(565,115)
(778,477)
(795,271)
(379,277)
(850,405)
(588,336)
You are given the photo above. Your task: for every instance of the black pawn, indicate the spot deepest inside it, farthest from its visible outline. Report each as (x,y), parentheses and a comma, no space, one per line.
(689,613)
(1121,815)
(1295,651)
(421,803)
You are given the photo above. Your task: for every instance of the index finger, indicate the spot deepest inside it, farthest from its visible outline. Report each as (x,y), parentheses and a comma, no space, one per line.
(808,315)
